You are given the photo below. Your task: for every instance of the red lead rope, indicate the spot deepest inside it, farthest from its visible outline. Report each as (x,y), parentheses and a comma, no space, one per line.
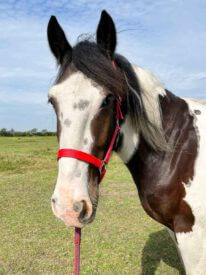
(77,242)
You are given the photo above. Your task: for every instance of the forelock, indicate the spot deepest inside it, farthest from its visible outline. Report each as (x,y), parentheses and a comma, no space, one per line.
(87,58)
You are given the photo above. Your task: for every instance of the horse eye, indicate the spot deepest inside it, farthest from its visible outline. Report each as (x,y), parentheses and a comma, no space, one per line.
(107,100)
(51,101)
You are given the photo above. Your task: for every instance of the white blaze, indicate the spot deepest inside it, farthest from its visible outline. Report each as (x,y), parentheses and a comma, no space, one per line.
(78,102)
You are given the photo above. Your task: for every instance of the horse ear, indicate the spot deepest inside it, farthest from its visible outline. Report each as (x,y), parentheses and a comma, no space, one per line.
(106,35)
(57,40)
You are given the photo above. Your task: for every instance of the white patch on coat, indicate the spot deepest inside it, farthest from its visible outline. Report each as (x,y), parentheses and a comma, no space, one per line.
(151,88)
(130,140)
(192,245)
(75,90)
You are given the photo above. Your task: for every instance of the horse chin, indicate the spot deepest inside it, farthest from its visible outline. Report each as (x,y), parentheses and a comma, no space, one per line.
(71,222)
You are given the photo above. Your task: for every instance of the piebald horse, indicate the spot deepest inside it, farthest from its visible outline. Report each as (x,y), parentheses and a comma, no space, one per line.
(162,139)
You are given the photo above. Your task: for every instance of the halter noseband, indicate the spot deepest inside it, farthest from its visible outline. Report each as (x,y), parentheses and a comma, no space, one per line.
(83,156)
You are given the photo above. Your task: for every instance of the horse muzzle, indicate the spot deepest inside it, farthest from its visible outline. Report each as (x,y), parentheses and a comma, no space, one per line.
(77,214)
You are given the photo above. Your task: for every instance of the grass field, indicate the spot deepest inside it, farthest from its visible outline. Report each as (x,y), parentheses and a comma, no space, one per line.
(121,240)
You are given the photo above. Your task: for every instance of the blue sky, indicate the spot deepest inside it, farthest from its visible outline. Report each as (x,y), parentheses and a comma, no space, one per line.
(166,37)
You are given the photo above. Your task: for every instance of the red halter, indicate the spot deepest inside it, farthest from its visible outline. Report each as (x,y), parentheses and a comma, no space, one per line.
(100,164)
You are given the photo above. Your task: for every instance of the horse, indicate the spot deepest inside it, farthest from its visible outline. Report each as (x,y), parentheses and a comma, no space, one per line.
(161,138)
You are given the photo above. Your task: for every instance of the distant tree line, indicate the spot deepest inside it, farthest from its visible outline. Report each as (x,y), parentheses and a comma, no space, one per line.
(33,132)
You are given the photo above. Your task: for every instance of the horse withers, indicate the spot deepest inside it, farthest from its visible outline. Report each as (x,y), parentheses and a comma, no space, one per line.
(162,139)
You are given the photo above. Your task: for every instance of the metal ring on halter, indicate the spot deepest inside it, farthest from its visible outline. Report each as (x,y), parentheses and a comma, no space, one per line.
(103,167)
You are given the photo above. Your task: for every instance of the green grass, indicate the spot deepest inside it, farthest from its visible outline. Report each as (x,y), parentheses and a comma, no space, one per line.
(121,240)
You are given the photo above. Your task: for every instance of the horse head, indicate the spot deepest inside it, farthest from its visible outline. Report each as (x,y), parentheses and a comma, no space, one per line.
(84,97)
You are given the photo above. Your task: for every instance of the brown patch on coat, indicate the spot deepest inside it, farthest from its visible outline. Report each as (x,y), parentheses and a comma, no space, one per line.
(160,176)
(184,218)
(102,129)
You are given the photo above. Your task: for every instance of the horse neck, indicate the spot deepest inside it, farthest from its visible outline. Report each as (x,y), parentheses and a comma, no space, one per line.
(178,125)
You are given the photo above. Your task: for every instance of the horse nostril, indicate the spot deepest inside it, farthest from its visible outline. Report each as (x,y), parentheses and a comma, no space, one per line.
(78,206)
(84,212)
(53,200)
